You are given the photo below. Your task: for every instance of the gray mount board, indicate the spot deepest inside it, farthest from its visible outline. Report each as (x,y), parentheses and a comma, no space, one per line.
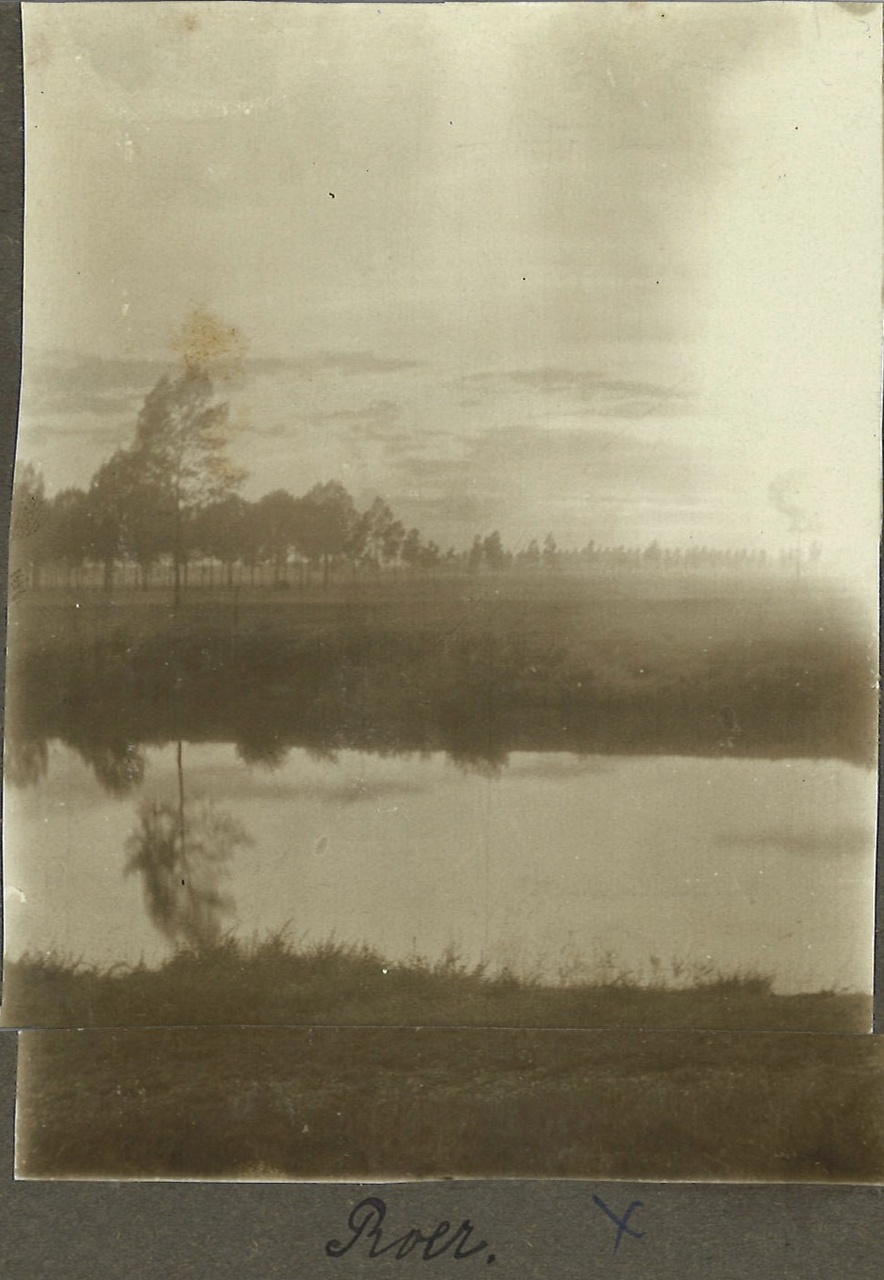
(536,1230)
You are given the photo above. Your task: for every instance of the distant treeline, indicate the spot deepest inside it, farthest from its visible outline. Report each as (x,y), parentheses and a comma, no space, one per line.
(119,532)
(170,500)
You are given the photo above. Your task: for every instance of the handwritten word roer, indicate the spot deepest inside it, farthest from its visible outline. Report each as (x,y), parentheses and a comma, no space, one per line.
(366,1225)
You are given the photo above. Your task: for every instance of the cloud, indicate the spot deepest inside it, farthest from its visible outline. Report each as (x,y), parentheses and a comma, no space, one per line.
(377,421)
(545,448)
(103,438)
(59,381)
(610,396)
(846,841)
(98,404)
(346,362)
(580,481)
(62,382)
(377,410)
(560,461)
(454,512)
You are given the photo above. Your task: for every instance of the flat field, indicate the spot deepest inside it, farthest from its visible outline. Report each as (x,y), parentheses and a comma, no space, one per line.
(349,1104)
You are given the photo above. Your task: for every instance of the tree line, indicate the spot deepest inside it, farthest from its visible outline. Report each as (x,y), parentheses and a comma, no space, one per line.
(172,498)
(123,520)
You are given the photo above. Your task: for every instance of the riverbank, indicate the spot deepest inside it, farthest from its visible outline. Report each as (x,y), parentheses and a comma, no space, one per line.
(276,983)
(336,1103)
(476,670)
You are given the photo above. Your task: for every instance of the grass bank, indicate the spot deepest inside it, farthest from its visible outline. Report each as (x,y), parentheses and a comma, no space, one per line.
(423,1103)
(474,670)
(272,982)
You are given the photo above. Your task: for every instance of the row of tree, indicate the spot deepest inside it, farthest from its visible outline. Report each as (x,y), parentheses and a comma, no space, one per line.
(171,497)
(120,520)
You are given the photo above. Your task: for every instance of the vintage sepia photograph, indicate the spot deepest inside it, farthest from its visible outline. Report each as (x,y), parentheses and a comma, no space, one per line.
(270,1104)
(442,656)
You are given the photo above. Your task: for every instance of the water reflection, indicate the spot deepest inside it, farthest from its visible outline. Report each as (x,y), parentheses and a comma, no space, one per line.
(181,853)
(315,681)
(25,760)
(118,766)
(267,753)
(543,864)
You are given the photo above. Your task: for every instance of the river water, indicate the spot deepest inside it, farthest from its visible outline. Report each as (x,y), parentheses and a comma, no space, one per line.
(554,864)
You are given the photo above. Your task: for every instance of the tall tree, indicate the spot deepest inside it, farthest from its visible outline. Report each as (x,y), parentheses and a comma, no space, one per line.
(29,530)
(327,524)
(181,442)
(476,552)
(379,533)
(411,550)
(530,557)
(550,552)
(430,556)
(68,530)
(250,538)
(221,531)
(106,514)
(278,518)
(128,514)
(493,552)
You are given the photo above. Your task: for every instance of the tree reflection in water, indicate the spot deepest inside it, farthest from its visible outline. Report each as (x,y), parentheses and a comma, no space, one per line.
(181,851)
(118,766)
(25,760)
(267,753)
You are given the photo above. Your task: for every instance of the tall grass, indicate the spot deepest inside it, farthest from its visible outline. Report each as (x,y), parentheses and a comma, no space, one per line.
(274,981)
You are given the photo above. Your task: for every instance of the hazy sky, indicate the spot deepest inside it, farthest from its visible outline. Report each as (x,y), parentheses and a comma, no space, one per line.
(608,270)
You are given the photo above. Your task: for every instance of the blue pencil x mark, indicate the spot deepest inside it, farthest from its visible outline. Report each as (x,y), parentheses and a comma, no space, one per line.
(622,1224)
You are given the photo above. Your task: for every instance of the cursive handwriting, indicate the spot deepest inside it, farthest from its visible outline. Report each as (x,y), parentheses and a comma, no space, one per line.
(366,1222)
